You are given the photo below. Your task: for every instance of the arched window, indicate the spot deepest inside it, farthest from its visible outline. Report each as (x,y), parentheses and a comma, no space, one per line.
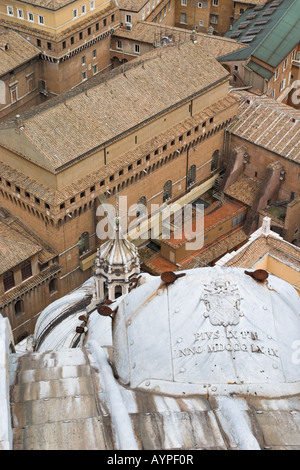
(26,270)
(141,207)
(19,308)
(118,291)
(84,243)
(53,286)
(191,176)
(167,193)
(214,160)
(8,280)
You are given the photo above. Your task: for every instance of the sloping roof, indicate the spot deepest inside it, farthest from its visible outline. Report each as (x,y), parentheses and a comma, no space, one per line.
(269,124)
(71,125)
(17,51)
(18,243)
(260,70)
(271,32)
(49,4)
(152,32)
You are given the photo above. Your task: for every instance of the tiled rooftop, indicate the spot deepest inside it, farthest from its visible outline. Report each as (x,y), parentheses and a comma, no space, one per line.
(14,51)
(152,33)
(18,243)
(70,126)
(49,4)
(268,124)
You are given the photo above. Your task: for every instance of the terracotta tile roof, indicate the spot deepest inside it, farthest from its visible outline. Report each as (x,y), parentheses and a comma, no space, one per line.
(49,4)
(70,126)
(244,190)
(152,33)
(14,51)
(18,243)
(263,245)
(132,5)
(204,257)
(268,124)
(54,198)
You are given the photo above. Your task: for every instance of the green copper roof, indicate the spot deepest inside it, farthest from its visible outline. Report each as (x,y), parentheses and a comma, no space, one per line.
(271,32)
(260,70)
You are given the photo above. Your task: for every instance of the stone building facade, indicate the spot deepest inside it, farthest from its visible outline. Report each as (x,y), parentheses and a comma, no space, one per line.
(133,151)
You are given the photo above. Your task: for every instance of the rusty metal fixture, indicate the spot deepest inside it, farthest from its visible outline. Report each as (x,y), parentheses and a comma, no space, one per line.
(259,275)
(83,318)
(79,329)
(168,277)
(105,311)
(108,302)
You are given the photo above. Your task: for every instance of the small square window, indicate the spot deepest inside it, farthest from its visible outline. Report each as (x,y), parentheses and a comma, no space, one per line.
(72,200)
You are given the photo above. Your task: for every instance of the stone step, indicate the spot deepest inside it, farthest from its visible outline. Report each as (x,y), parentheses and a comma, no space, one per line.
(80,434)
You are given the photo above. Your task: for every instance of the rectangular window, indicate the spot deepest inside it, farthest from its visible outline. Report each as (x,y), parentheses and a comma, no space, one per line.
(282,84)
(30,17)
(182,17)
(137,48)
(128,19)
(214,19)
(20,14)
(14,94)
(89,31)
(72,40)
(104,22)
(184,3)
(8,280)
(276,75)
(83,9)
(41,19)
(84,75)
(10,11)
(80,36)
(64,44)
(199,4)
(38,43)
(83,60)
(49,46)
(26,270)
(215,3)
(95,69)
(92,5)
(201,23)
(75,13)
(94,54)
(284,65)
(119,45)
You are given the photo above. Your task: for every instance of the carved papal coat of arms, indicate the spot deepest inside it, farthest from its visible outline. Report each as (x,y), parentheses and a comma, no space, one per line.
(222,300)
